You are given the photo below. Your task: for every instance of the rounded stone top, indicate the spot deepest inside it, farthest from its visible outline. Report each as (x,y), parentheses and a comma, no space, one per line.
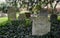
(23,12)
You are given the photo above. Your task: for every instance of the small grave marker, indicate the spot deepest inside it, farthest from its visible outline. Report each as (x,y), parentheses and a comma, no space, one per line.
(11,13)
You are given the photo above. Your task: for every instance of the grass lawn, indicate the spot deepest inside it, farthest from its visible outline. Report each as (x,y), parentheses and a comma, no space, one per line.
(3,19)
(58,17)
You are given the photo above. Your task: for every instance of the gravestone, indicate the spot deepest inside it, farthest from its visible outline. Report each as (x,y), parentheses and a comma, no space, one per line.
(11,13)
(40,25)
(24,14)
(21,17)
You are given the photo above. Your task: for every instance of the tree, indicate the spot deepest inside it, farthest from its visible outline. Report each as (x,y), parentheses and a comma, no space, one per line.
(3,7)
(42,3)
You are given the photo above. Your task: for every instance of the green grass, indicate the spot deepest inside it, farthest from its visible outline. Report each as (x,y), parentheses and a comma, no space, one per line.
(3,19)
(58,17)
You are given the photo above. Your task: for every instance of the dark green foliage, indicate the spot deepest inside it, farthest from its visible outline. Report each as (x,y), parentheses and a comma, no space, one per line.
(28,22)
(5,9)
(55,26)
(53,18)
(14,29)
(18,29)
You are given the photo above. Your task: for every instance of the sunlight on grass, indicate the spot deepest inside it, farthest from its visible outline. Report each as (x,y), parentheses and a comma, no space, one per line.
(58,17)
(3,19)
(17,16)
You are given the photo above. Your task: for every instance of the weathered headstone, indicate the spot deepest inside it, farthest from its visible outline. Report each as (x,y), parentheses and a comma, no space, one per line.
(21,17)
(24,14)
(40,25)
(11,13)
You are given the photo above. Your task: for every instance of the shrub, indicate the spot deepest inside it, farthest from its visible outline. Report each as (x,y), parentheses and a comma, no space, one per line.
(12,29)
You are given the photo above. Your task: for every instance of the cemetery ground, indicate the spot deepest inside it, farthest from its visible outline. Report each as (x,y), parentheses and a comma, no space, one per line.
(3,19)
(19,29)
